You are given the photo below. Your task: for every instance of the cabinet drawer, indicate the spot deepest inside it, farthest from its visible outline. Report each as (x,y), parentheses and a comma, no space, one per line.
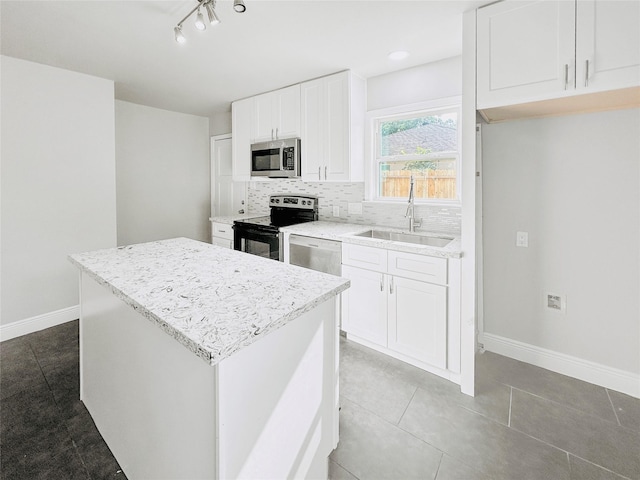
(364,257)
(222,230)
(418,267)
(222,242)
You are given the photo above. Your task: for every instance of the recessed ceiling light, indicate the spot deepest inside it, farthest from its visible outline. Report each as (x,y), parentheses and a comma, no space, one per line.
(398,55)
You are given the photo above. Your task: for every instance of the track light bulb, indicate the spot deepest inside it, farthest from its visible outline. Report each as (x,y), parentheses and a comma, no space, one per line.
(213,18)
(180,38)
(200,25)
(238,6)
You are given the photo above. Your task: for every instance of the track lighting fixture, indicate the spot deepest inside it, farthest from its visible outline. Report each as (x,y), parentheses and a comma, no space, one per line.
(180,38)
(200,25)
(238,6)
(209,6)
(213,18)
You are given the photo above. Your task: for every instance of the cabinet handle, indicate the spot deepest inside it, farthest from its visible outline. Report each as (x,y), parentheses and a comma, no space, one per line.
(276,133)
(382,283)
(272,134)
(391,285)
(319,176)
(325,172)
(586,73)
(566,75)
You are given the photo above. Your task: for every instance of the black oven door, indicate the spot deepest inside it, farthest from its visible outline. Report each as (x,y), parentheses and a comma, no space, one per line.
(256,241)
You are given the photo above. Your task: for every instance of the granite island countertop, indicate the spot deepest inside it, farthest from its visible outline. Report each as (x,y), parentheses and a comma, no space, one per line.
(213,300)
(346,232)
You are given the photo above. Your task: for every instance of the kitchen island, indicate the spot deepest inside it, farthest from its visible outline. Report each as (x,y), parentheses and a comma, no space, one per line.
(199,362)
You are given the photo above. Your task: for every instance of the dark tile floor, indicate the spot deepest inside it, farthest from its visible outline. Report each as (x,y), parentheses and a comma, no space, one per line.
(45,431)
(397,422)
(525,422)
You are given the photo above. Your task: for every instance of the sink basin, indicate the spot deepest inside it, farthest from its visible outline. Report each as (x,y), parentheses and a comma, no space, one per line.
(406,238)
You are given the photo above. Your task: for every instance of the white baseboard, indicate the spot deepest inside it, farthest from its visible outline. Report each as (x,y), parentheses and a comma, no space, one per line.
(39,322)
(596,373)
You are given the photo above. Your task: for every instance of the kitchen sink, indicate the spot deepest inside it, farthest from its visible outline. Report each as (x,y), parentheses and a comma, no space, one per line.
(406,238)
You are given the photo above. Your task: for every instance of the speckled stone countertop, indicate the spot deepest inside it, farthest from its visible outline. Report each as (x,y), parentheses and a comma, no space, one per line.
(213,300)
(345,232)
(228,220)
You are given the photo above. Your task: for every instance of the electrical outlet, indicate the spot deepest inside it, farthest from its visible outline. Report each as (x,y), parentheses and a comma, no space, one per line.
(522,239)
(556,302)
(336,211)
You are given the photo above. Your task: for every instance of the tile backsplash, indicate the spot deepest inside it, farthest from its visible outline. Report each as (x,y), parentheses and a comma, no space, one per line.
(435,218)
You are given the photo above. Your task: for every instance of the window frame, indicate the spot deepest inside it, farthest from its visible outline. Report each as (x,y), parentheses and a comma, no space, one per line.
(443,105)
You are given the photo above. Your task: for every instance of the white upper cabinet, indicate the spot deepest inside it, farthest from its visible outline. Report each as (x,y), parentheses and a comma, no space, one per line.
(276,115)
(332,128)
(241,112)
(607,44)
(540,50)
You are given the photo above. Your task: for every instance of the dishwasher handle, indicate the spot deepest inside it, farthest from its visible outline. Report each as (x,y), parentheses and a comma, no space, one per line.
(312,242)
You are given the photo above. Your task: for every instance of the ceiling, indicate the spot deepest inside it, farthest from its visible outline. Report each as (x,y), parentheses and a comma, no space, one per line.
(272,45)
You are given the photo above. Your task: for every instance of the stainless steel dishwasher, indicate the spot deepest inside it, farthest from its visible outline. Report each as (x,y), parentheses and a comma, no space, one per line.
(316,253)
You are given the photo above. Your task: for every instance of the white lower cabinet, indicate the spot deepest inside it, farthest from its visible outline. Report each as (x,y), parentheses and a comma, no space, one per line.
(418,320)
(365,305)
(222,235)
(400,313)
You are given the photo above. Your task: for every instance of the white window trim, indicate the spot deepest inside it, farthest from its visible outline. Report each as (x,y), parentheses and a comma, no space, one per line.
(370,190)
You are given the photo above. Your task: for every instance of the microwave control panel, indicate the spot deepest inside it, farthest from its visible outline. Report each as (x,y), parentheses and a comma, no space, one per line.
(289,162)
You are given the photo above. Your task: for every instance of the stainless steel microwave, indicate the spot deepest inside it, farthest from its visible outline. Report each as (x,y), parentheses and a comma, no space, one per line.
(277,159)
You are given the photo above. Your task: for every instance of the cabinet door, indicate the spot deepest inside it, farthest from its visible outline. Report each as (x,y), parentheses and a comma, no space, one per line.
(525,51)
(364,305)
(241,112)
(418,320)
(263,129)
(336,157)
(311,129)
(607,44)
(287,112)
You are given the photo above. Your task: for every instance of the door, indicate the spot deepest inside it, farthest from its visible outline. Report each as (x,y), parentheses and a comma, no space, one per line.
(418,320)
(365,305)
(607,44)
(227,197)
(526,50)
(337,131)
(312,129)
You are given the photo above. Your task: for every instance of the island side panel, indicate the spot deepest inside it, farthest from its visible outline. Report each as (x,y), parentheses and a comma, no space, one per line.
(152,400)
(278,411)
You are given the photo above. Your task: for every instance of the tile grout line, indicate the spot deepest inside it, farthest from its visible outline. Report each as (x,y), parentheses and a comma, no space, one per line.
(407,407)
(439,465)
(510,403)
(613,406)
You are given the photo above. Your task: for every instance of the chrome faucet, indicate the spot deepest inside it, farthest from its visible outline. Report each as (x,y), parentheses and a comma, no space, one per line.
(410,210)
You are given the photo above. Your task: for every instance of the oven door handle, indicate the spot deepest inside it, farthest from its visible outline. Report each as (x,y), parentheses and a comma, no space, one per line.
(255,232)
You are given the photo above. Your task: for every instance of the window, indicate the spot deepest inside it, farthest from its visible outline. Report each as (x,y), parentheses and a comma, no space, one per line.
(422,144)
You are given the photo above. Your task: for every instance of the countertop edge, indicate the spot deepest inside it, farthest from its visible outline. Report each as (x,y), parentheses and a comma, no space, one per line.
(212,358)
(345,232)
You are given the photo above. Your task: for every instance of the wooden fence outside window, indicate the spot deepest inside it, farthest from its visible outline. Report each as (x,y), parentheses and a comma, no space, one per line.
(428,184)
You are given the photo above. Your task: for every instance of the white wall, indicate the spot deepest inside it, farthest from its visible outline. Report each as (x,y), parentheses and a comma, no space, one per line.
(220,123)
(162,165)
(573,183)
(57,185)
(430,81)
